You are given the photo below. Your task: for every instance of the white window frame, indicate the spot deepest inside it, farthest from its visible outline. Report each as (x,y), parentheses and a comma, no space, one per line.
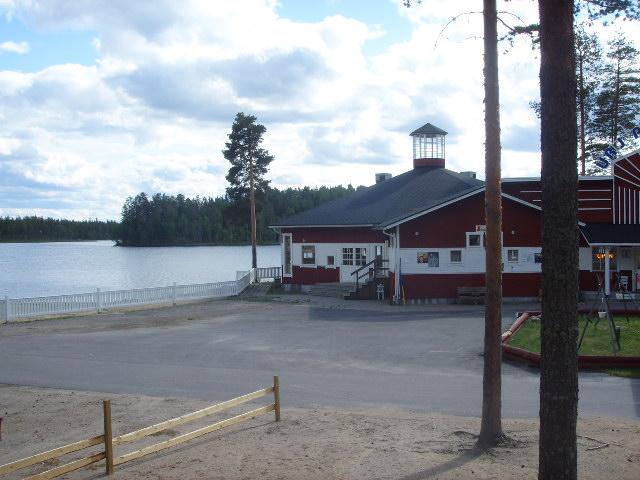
(461,256)
(509,252)
(360,256)
(284,267)
(482,240)
(302,262)
(349,251)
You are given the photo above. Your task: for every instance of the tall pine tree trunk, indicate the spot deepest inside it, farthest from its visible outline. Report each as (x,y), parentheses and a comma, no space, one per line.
(558,369)
(252,201)
(616,108)
(583,140)
(491,428)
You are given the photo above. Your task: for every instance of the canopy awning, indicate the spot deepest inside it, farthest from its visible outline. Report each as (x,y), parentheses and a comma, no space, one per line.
(603,234)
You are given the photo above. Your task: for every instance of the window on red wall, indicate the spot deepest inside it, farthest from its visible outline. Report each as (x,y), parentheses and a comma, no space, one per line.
(308,254)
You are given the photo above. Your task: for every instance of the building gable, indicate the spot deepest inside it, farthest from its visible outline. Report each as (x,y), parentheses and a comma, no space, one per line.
(447,227)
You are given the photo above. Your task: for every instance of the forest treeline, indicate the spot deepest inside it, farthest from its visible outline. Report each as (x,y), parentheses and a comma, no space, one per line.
(161,220)
(165,220)
(38,229)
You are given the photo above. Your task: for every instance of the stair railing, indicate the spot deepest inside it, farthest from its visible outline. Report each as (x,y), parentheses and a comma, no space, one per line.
(377,267)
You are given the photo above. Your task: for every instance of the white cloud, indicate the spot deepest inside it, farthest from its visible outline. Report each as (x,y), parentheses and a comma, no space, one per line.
(154,110)
(14,47)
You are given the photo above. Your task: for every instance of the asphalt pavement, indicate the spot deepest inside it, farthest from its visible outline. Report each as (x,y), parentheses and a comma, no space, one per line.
(422,359)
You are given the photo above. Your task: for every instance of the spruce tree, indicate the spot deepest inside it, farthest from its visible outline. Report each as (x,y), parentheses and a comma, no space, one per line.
(249,162)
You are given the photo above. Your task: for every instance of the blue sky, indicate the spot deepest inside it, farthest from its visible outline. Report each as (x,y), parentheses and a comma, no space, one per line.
(45,47)
(102,100)
(382,13)
(50,46)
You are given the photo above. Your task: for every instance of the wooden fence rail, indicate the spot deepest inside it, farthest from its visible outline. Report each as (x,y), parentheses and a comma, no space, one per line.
(109,441)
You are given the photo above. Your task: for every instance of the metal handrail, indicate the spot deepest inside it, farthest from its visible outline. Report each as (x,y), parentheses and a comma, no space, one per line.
(362,267)
(376,268)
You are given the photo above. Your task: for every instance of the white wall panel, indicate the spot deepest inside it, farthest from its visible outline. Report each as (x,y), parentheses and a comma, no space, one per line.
(473,261)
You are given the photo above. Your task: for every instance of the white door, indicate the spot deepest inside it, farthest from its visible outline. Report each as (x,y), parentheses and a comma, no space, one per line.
(352,259)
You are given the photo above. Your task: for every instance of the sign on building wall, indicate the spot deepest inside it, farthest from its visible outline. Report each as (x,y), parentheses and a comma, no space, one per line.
(611,152)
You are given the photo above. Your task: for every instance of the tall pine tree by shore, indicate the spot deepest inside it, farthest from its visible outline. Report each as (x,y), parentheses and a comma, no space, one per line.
(249,162)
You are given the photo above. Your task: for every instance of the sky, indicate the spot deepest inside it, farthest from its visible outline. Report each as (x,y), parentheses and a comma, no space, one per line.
(102,100)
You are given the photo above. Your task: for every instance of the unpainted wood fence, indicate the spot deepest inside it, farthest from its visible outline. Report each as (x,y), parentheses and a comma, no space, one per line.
(16,308)
(109,441)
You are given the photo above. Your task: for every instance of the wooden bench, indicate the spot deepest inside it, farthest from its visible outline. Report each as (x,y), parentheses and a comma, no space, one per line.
(473,295)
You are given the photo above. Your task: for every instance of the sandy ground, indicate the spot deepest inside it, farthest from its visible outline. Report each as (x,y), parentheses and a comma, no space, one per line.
(305,444)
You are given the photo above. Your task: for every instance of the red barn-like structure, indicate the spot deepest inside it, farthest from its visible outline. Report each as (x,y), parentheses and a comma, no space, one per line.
(421,234)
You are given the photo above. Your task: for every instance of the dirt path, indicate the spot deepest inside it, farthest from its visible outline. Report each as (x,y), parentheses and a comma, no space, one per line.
(307,443)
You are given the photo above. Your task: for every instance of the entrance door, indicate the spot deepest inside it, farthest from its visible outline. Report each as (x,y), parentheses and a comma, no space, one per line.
(378,256)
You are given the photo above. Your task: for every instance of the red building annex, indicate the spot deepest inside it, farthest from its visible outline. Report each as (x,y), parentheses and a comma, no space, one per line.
(421,234)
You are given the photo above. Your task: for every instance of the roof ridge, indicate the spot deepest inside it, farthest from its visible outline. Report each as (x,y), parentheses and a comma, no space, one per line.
(464,178)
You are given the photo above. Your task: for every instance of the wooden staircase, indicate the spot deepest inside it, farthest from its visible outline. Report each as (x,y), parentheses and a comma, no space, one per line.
(368,277)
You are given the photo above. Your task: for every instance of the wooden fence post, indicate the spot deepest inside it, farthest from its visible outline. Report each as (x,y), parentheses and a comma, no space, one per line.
(6,308)
(98,301)
(276,396)
(108,437)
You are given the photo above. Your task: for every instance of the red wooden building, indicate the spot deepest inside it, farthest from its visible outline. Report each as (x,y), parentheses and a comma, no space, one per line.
(421,234)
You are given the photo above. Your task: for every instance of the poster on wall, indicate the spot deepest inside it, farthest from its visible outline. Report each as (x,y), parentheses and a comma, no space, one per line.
(432,259)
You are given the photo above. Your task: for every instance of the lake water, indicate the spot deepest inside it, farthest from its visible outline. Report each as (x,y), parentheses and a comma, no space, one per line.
(39,269)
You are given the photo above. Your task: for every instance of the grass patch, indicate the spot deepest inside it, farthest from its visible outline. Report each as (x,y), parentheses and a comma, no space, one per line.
(597,340)
(624,372)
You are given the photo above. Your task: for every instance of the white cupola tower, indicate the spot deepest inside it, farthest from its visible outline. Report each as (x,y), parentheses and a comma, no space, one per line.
(428,146)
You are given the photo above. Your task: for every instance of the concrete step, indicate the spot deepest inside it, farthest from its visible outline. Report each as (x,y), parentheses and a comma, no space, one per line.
(331,289)
(256,289)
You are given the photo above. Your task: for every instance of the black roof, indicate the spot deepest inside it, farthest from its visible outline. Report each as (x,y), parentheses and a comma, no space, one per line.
(428,129)
(389,201)
(608,234)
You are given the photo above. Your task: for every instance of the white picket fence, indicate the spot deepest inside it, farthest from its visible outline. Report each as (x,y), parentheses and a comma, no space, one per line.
(15,308)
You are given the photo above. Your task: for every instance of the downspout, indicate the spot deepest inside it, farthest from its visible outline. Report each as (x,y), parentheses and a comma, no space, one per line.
(397,275)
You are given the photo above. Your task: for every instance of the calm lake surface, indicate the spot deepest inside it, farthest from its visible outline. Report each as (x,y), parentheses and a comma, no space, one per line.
(38,269)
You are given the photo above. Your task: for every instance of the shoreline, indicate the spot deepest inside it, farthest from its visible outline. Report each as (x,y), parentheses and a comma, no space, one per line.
(117,244)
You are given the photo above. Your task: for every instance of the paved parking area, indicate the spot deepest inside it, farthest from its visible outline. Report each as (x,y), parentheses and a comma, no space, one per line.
(328,353)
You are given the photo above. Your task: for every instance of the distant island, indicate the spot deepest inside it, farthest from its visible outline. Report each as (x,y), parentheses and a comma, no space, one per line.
(39,229)
(168,220)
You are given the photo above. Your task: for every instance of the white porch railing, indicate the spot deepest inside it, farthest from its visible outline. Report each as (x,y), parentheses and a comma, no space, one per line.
(268,273)
(14,308)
